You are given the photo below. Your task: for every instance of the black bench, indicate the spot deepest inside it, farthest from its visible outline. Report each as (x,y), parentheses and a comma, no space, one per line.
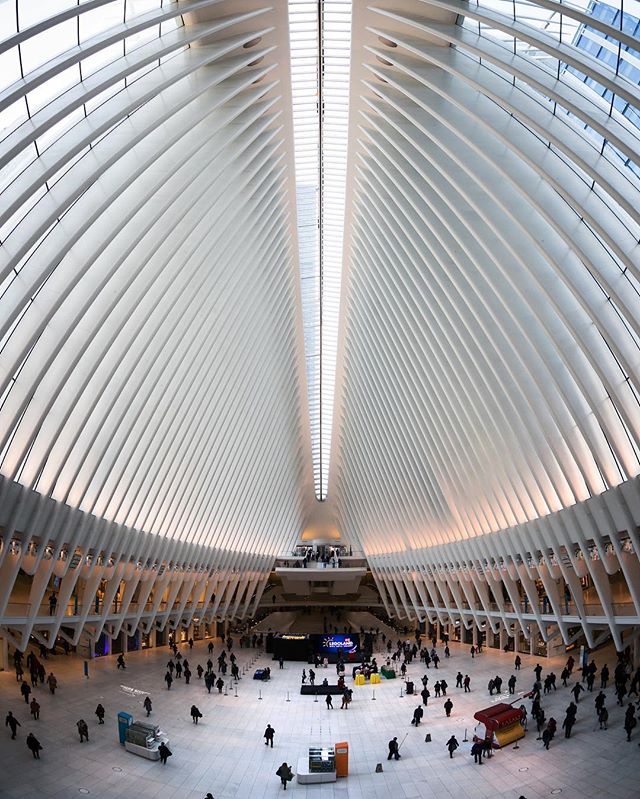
(321,690)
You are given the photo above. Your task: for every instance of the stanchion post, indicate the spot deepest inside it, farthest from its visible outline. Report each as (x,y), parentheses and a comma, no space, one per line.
(316,699)
(465,735)
(288,700)
(236,693)
(260,694)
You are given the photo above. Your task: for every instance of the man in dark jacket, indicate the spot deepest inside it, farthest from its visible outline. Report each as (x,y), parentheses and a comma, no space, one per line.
(452,745)
(268,735)
(12,722)
(34,745)
(394,749)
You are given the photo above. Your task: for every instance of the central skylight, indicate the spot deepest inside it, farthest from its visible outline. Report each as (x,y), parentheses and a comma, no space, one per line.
(320,34)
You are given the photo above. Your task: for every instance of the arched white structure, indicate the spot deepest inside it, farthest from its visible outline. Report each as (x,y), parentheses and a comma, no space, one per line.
(488,394)
(155,442)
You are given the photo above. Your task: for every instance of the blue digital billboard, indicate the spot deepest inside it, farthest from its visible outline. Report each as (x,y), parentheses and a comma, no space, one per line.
(333,644)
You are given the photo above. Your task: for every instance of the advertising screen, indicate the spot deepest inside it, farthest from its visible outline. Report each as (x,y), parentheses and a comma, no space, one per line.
(333,644)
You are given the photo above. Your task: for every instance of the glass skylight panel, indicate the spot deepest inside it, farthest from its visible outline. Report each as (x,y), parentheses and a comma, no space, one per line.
(320,58)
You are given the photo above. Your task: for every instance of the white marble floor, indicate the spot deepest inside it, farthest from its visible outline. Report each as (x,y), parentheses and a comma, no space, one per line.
(225,753)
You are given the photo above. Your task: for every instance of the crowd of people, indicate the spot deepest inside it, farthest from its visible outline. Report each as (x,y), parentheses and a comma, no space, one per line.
(623,680)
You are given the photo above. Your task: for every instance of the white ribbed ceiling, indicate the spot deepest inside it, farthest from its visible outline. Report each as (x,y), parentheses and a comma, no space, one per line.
(162,183)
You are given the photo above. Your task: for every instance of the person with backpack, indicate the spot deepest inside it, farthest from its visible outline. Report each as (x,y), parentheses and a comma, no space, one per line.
(285,774)
(164,752)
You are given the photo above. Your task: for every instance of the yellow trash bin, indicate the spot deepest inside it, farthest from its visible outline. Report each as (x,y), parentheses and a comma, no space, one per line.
(359,679)
(374,679)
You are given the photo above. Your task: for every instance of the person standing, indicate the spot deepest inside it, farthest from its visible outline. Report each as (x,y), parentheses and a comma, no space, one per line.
(187,675)
(53,604)
(448,707)
(147,705)
(517,662)
(164,752)
(34,745)
(83,730)
(512,684)
(281,662)
(476,751)
(100,714)
(604,677)
(35,709)
(219,684)
(12,722)
(394,749)
(285,774)
(425,694)
(452,745)
(268,735)
(467,684)
(168,679)
(459,680)
(329,702)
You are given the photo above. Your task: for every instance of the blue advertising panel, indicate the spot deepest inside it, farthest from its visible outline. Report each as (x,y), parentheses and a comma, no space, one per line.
(334,644)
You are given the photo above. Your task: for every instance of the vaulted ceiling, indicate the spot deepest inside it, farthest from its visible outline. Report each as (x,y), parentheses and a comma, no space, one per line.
(390,261)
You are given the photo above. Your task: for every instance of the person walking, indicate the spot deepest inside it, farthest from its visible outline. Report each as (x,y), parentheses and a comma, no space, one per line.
(147,705)
(417,716)
(448,707)
(452,745)
(34,745)
(53,604)
(164,752)
(99,711)
(394,749)
(281,662)
(178,670)
(268,735)
(25,690)
(546,738)
(219,684)
(567,724)
(604,677)
(629,720)
(210,648)
(83,730)
(12,723)
(120,662)
(285,774)
(467,684)
(517,662)
(195,714)
(476,751)
(168,679)
(425,694)
(576,691)
(512,684)
(35,709)
(329,702)
(443,687)
(187,675)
